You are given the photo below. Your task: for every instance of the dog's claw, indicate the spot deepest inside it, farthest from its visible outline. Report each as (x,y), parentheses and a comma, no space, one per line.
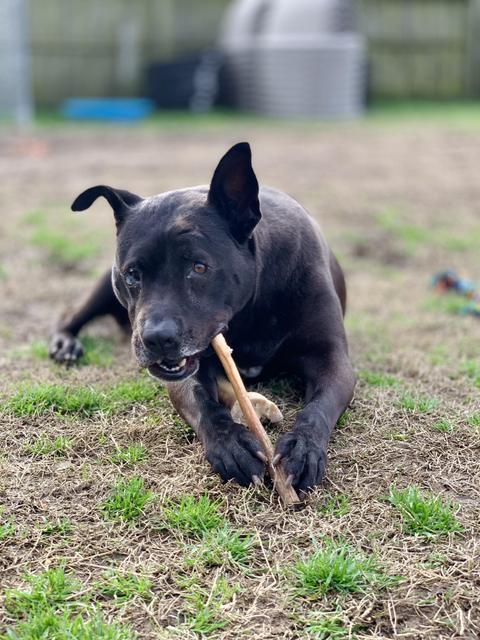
(256,480)
(276,459)
(64,347)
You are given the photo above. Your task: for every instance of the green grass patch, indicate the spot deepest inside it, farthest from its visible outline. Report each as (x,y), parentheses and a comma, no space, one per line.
(427,112)
(193,516)
(447,303)
(336,505)
(411,236)
(336,567)
(124,586)
(424,515)
(444,426)
(440,355)
(54,606)
(472,370)
(127,500)
(53,625)
(63,243)
(474,420)
(221,547)
(418,403)
(458,243)
(62,399)
(7,529)
(204,610)
(57,527)
(378,379)
(328,627)
(344,419)
(130,455)
(46,446)
(52,589)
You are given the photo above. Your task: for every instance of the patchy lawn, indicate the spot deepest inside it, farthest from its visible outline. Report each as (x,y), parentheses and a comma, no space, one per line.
(112,524)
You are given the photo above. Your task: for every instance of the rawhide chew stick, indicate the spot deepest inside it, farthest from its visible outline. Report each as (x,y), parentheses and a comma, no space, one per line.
(284,489)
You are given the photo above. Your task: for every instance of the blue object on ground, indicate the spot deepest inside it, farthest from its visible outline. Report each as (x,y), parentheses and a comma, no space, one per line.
(112,109)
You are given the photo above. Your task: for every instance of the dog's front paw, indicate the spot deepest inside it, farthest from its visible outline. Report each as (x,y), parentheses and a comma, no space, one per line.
(235,454)
(64,347)
(304,459)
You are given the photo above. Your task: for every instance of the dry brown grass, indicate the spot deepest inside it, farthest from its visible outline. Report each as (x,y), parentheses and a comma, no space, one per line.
(348,175)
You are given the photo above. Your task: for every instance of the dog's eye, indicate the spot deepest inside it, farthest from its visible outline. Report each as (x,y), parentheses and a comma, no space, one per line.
(199,267)
(132,278)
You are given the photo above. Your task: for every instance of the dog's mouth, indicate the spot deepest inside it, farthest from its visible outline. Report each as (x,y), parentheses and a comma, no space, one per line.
(174,370)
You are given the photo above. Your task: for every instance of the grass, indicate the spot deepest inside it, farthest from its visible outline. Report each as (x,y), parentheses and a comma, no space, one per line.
(411,236)
(448,303)
(193,516)
(51,589)
(336,567)
(61,242)
(131,455)
(328,627)
(45,445)
(474,420)
(204,613)
(125,586)
(98,351)
(336,505)
(378,379)
(7,529)
(444,426)
(221,547)
(472,370)
(127,500)
(50,609)
(424,515)
(418,403)
(62,399)
(59,527)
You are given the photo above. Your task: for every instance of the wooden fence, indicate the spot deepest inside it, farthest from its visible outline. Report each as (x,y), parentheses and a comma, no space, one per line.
(422,48)
(100,47)
(417,48)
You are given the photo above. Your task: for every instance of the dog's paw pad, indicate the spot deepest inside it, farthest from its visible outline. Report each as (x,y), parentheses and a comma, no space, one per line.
(264,408)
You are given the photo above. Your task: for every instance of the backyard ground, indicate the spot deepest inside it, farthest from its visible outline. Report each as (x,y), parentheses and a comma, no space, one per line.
(112,524)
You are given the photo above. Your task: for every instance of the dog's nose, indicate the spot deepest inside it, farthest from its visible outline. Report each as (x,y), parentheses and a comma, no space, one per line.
(161,337)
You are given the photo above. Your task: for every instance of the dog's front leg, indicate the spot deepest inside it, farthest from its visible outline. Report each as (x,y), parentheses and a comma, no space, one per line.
(230,448)
(330,383)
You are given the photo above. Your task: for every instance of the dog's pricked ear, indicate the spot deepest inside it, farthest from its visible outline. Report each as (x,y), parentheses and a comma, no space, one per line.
(234,191)
(120,200)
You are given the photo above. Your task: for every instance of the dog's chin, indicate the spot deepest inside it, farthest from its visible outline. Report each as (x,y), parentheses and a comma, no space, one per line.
(174,371)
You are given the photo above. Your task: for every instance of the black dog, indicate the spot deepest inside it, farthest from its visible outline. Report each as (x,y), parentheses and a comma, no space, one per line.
(234,259)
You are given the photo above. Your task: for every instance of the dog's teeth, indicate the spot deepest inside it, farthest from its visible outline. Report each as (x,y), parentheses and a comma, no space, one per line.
(182,363)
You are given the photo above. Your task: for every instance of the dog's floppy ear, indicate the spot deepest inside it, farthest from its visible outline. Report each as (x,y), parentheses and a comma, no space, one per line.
(234,191)
(120,201)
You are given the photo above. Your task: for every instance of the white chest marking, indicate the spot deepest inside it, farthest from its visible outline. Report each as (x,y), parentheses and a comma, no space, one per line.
(251,372)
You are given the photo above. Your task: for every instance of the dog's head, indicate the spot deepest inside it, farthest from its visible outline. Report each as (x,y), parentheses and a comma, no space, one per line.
(184,263)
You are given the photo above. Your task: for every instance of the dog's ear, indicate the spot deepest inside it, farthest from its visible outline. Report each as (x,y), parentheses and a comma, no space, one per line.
(120,201)
(234,191)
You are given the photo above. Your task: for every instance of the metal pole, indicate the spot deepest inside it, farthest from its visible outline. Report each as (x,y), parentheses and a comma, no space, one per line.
(15,79)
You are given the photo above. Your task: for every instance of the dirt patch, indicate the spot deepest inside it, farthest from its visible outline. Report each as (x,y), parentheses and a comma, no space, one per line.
(348,177)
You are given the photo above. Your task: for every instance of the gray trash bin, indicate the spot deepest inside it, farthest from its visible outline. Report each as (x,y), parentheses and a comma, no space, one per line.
(295,59)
